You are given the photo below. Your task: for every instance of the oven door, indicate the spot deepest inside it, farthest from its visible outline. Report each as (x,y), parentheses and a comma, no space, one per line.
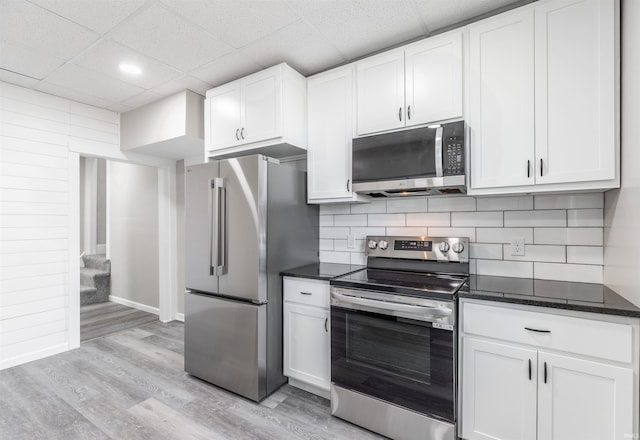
(397,356)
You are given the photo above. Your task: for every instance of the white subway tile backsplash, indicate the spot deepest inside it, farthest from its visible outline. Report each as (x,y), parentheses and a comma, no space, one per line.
(375,207)
(517,203)
(585,217)
(538,252)
(535,218)
(563,233)
(518,269)
(504,235)
(350,220)
(453,232)
(569,201)
(486,219)
(411,204)
(585,255)
(387,220)
(448,204)
(580,273)
(485,251)
(569,236)
(429,219)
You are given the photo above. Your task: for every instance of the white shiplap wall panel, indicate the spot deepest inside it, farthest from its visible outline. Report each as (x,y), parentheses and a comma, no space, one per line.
(37,131)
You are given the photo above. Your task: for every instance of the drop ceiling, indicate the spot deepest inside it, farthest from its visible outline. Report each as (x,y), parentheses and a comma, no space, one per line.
(72,48)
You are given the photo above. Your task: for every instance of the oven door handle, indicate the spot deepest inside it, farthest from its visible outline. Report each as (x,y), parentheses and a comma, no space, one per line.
(422,313)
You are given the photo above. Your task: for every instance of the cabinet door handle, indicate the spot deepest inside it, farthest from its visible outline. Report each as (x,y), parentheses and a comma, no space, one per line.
(238,134)
(326,321)
(242,132)
(348,180)
(545,372)
(529,369)
(541,167)
(306,293)
(528,169)
(400,114)
(409,112)
(537,330)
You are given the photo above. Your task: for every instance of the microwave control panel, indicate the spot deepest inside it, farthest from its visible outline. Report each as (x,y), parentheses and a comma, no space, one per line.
(453,149)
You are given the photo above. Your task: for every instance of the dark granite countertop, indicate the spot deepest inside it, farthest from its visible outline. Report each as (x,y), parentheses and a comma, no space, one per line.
(584,297)
(321,271)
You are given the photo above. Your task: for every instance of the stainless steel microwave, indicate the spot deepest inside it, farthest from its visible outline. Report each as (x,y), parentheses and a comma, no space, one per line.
(419,161)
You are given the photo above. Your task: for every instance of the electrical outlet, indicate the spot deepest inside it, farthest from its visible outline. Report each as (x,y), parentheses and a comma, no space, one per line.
(351,241)
(517,246)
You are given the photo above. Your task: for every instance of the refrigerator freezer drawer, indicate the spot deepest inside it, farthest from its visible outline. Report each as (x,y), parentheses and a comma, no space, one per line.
(225,343)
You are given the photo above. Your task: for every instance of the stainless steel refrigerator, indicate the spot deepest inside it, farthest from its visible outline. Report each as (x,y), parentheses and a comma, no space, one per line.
(246,220)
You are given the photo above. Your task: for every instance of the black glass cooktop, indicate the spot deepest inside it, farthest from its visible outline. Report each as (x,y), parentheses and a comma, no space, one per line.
(417,284)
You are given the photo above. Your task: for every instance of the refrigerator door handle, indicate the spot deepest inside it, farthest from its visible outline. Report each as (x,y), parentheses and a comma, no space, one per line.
(222,227)
(214,236)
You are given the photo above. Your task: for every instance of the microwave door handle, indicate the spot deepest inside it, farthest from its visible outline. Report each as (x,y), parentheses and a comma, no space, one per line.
(420,312)
(438,151)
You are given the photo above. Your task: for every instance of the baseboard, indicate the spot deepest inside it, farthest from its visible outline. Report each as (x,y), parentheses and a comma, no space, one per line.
(310,388)
(33,356)
(179,317)
(135,305)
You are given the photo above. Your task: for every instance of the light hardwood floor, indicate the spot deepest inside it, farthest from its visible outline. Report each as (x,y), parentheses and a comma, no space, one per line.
(131,385)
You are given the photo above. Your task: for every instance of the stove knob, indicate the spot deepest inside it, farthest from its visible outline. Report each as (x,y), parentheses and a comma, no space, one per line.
(457,247)
(444,247)
(372,244)
(383,245)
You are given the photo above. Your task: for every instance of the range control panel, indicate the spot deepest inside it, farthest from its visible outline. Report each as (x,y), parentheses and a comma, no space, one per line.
(419,248)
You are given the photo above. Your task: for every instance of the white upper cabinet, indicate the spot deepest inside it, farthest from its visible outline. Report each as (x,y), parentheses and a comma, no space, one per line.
(575,90)
(542,98)
(501,100)
(263,112)
(417,84)
(330,125)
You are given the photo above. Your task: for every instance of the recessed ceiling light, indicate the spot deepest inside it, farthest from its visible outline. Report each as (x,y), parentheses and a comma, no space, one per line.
(131,69)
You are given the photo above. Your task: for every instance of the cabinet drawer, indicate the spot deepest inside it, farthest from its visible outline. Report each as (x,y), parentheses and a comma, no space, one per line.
(606,340)
(309,292)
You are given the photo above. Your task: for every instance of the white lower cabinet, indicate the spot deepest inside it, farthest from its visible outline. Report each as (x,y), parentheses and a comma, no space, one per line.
(307,335)
(512,390)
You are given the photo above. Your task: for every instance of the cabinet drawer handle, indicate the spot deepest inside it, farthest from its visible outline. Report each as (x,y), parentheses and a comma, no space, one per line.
(237,134)
(306,293)
(529,369)
(242,132)
(409,112)
(400,114)
(326,329)
(537,330)
(545,372)
(528,169)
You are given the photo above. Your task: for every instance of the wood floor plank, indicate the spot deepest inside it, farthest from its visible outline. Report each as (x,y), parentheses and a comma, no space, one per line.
(97,320)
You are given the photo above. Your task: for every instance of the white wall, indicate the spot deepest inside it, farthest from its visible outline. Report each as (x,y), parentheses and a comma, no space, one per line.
(563,233)
(39,173)
(622,207)
(133,234)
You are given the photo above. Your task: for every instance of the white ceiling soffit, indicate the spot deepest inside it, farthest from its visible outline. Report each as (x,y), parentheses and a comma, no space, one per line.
(72,48)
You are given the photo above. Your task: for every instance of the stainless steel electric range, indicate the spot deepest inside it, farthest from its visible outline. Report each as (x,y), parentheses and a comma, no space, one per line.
(393,337)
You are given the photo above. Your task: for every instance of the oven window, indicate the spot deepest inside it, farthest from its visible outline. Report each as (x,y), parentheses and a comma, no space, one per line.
(392,347)
(405,362)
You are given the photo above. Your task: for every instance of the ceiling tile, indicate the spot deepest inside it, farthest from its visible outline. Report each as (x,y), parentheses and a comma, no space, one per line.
(119,108)
(142,99)
(164,36)
(97,15)
(31,26)
(438,14)
(226,68)
(107,55)
(238,22)
(17,79)
(26,61)
(185,82)
(299,45)
(92,83)
(74,95)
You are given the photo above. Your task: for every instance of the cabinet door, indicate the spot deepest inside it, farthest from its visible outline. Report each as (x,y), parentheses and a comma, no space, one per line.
(330,125)
(380,93)
(307,344)
(498,391)
(222,116)
(262,106)
(583,400)
(575,91)
(501,112)
(433,79)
